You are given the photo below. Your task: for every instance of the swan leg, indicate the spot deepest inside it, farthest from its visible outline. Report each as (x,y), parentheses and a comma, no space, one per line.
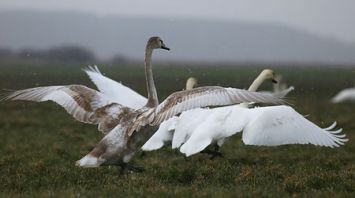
(135,168)
(125,166)
(213,153)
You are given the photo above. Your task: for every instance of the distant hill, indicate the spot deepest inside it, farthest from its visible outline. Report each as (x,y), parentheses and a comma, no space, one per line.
(190,40)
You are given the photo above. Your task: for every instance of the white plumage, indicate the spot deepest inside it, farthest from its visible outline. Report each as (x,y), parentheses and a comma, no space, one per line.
(114,90)
(263,126)
(190,119)
(345,95)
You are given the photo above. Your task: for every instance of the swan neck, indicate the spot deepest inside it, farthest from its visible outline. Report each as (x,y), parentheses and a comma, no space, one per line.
(152,92)
(256,83)
(190,85)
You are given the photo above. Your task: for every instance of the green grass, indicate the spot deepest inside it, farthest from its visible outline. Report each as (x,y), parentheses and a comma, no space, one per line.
(39,142)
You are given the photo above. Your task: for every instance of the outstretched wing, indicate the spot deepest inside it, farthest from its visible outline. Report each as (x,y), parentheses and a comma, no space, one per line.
(208,96)
(114,90)
(84,104)
(279,125)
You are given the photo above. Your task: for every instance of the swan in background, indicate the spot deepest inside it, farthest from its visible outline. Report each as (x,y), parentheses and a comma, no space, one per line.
(191,118)
(132,128)
(166,129)
(280,85)
(344,96)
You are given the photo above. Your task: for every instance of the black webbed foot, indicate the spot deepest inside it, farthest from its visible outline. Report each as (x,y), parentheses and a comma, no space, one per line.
(134,168)
(212,153)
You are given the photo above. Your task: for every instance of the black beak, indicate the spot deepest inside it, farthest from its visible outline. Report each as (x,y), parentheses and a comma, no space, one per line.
(274,81)
(166,48)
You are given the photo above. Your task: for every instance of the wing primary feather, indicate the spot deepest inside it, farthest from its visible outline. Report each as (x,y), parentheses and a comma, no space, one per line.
(331,126)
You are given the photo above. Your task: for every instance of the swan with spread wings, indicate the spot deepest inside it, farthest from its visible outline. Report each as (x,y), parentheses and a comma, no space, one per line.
(128,129)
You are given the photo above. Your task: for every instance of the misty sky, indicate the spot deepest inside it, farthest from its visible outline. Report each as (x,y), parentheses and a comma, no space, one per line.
(326,17)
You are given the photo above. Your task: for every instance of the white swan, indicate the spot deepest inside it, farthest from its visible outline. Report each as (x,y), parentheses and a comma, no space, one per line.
(345,95)
(190,120)
(280,85)
(270,126)
(263,126)
(132,128)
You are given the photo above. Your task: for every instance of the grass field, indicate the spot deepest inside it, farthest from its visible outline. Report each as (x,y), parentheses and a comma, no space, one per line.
(39,142)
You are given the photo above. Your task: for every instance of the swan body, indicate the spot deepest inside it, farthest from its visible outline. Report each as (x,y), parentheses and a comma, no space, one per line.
(262,126)
(131,128)
(345,95)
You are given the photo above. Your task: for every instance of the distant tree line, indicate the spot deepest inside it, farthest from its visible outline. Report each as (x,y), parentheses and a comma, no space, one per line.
(63,55)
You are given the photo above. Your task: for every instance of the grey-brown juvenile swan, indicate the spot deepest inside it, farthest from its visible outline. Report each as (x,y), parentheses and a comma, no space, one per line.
(128,129)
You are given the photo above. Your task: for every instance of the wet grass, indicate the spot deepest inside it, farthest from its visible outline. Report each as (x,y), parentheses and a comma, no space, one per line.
(39,143)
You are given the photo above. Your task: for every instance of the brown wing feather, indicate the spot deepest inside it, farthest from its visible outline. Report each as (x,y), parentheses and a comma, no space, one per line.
(83,103)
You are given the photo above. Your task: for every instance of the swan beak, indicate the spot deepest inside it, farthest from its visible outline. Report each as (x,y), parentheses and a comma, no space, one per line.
(166,48)
(274,81)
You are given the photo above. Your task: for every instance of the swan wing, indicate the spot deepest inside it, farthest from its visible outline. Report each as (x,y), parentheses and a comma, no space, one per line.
(279,125)
(84,104)
(207,96)
(162,135)
(115,90)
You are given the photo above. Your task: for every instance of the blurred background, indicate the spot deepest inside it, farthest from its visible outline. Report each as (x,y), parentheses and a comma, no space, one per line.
(57,36)
(204,31)
(228,43)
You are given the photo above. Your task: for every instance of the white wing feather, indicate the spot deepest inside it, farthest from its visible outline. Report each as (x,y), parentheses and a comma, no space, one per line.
(267,126)
(279,125)
(114,90)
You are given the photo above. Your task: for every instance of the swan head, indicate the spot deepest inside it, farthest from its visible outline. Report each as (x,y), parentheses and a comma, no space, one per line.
(268,74)
(191,83)
(156,42)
